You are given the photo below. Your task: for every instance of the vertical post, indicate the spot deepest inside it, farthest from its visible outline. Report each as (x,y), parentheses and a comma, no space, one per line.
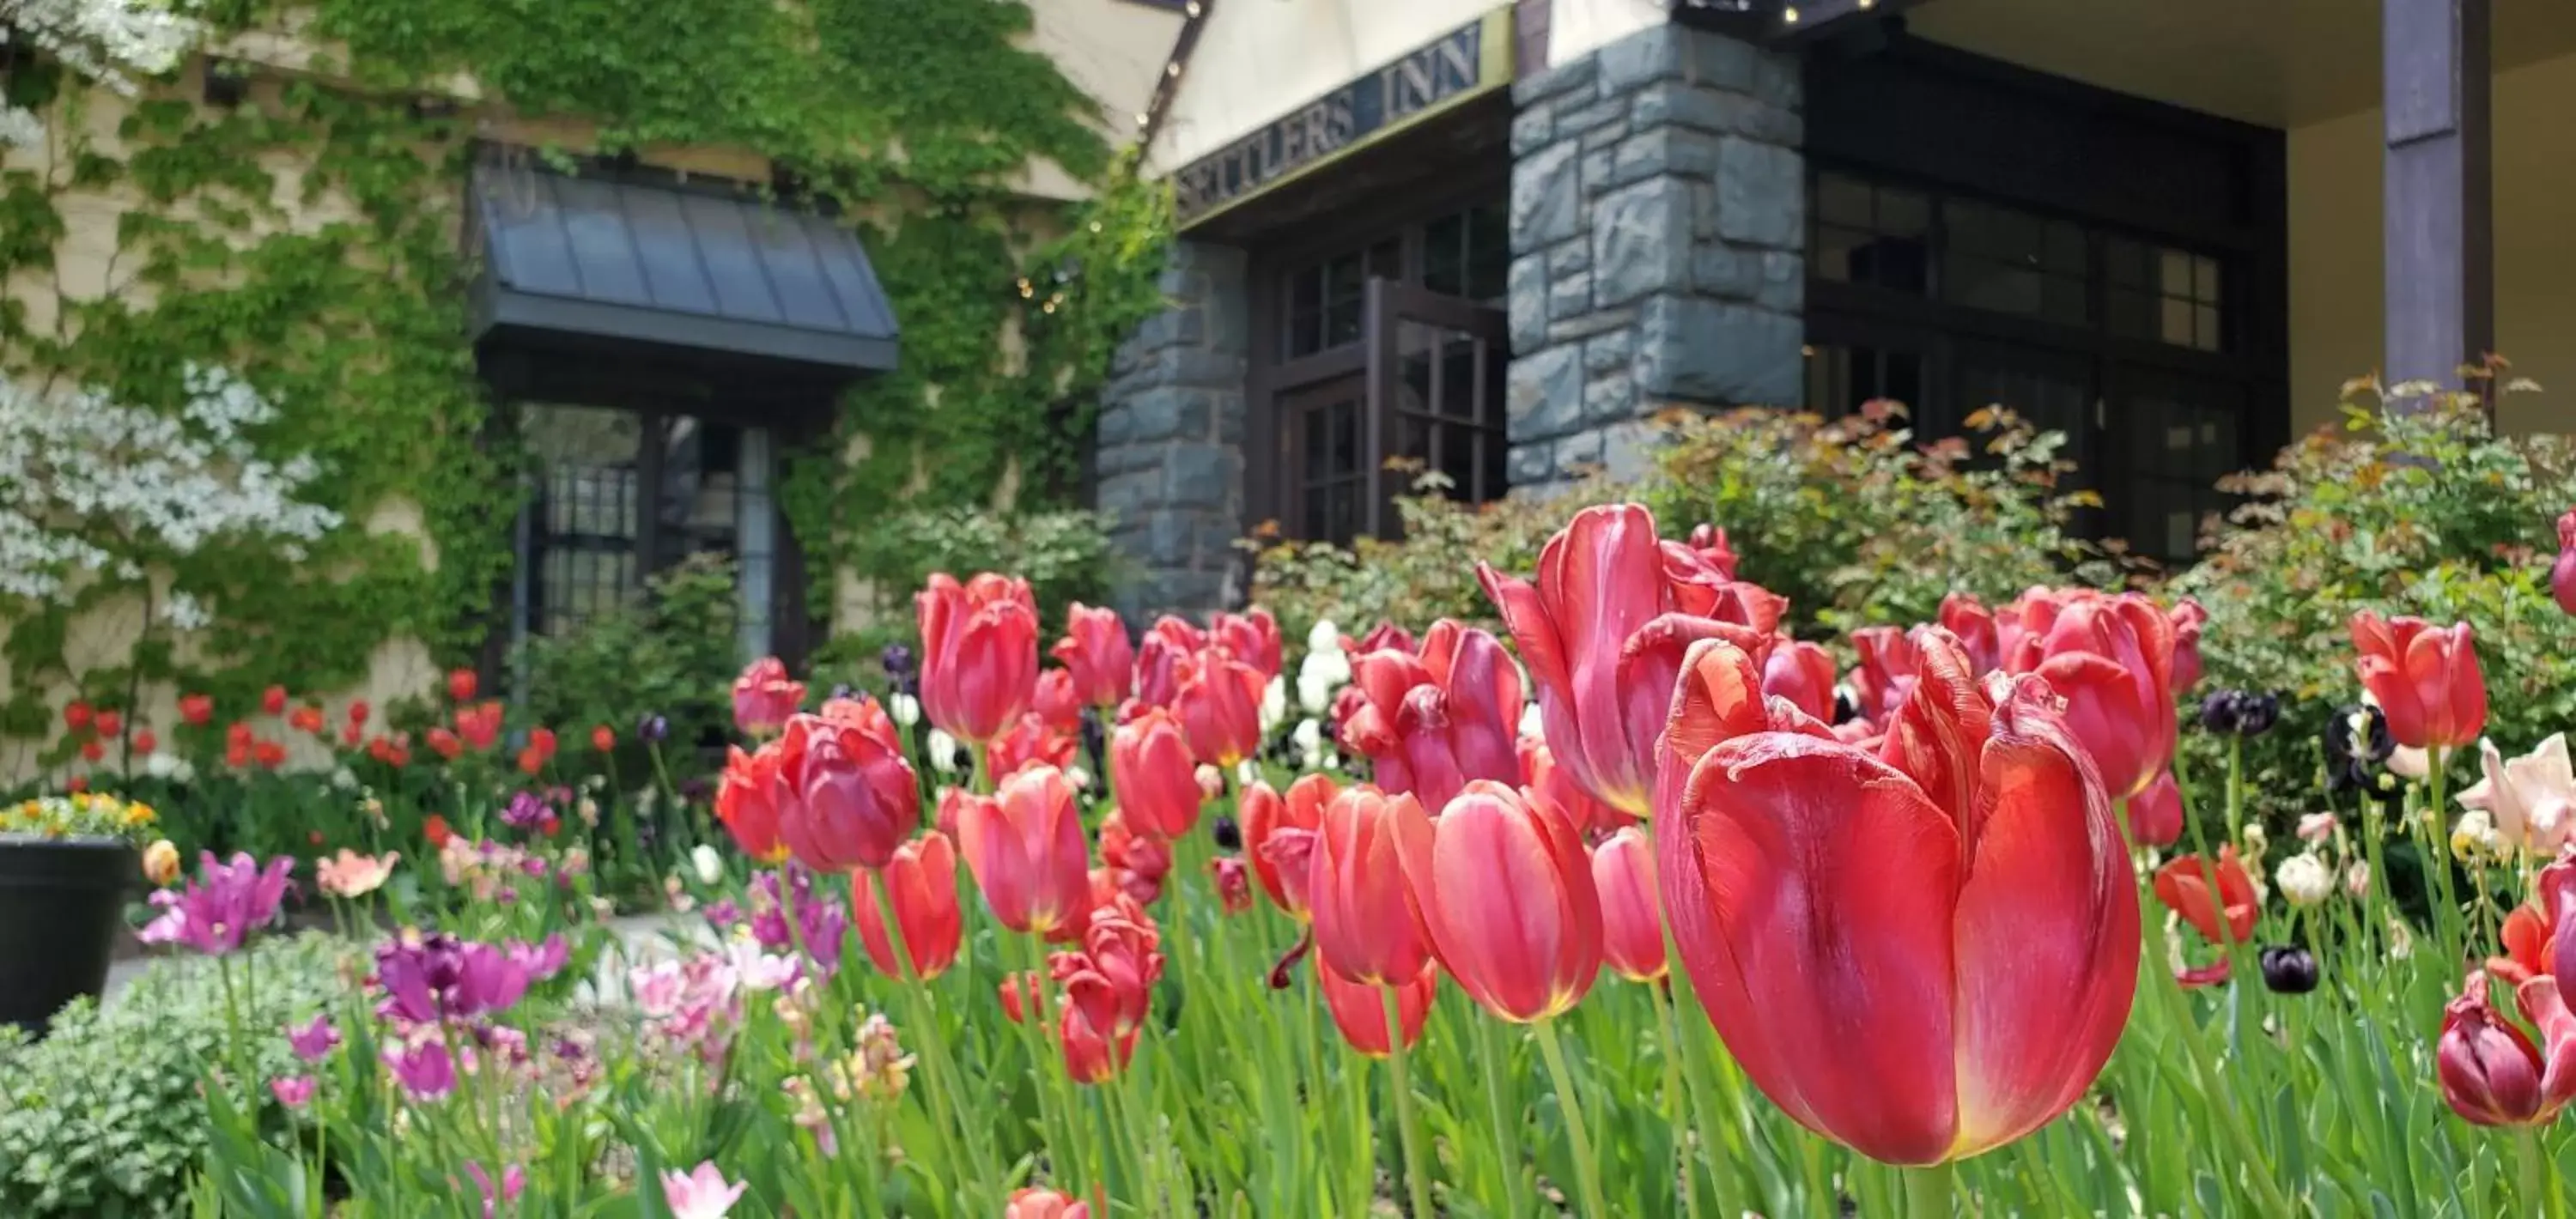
(2439,228)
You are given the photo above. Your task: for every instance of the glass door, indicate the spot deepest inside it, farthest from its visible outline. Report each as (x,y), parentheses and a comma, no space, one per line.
(1435,382)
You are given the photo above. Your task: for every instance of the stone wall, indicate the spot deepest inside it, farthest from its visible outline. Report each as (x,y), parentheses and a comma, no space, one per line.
(1658,228)
(1170,459)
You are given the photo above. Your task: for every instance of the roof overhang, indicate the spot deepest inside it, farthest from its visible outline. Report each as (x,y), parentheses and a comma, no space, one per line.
(672,268)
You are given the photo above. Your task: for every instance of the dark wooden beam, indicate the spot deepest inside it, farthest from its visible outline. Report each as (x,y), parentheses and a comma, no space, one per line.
(2438,232)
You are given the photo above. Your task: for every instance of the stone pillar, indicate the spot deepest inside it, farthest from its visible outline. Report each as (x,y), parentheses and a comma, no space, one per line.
(1170,455)
(1658,227)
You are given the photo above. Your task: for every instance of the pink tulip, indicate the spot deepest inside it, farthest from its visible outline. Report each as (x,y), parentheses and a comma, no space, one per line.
(1432,723)
(843,794)
(2111,658)
(2155,815)
(1154,775)
(1096,653)
(922,880)
(1252,637)
(1219,702)
(1365,929)
(2562,574)
(1802,673)
(1632,919)
(1504,893)
(979,653)
(1359,1010)
(1026,849)
(764,696)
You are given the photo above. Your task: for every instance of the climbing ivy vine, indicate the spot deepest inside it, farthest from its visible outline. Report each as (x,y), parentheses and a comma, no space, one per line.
(306,239)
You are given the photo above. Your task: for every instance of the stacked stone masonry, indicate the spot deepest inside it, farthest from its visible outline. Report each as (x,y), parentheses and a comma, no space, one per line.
(1170,455)
(1658,222)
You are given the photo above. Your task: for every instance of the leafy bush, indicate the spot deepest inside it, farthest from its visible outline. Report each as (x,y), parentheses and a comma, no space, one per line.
(2430,514)
(672,653)
(1857,524)
(1064,555)
(103,1117)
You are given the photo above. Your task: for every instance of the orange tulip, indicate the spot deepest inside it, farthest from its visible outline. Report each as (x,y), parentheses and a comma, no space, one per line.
(1504,892)
(1154,775)
(1632,918)
(603,738)
(1279,836)
(1359,1010)
(747,802)
(2533,948)
(1365,928)
(922,880)
(1026,850)
(1921,957)
(2425,679)
(2183,886)
(979,653)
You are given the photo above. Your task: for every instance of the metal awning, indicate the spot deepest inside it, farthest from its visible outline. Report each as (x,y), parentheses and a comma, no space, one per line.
(673,267)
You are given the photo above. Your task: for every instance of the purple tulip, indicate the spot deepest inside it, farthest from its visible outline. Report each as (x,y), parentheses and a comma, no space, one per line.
(428,978)
(222,906)
(541,961)
(425,1071)
(314,1042)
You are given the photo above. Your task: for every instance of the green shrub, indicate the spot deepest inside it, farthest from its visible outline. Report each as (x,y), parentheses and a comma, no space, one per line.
(672,653)
(1857,524)
(2429,514)
(1064,555)
(103,1117)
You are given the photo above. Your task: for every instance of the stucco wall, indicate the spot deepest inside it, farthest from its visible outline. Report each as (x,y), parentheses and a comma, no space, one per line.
(2336,267)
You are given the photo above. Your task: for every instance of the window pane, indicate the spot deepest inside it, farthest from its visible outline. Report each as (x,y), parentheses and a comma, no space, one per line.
(1343,285)
(1306,312)
(1837,253)
(1904,213)
(2125,262)
(2066,248)
(1844,200)
(1444,255)
(2204,273)
(1489,253)
(2174,272)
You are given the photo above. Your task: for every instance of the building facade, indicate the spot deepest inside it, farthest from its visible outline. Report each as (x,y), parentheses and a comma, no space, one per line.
(1493,240)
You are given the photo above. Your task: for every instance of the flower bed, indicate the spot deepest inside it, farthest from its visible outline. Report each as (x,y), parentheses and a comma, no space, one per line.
(1953,930)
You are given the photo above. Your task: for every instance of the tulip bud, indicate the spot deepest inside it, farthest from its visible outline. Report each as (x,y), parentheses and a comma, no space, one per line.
(2562,574)
(2155,815)
(2289,969)
(2490,1071)
(653,728)
(1505,894)
(922,882)
(2304,880)
(1632,918)
(1359,1009)
(1228,835)
(2239,712)
(1233,883)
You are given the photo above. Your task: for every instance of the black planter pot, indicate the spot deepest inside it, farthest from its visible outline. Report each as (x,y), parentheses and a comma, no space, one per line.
(61,909)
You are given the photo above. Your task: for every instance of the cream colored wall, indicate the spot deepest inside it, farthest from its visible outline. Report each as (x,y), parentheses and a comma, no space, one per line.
(1577,26)
(1259,59)
(2335,261)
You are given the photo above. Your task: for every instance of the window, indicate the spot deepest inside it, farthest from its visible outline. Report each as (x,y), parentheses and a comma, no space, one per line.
(1875,235)
(1466,253)
(1840,379)
(619,495)
(2014,262)
(2164,293)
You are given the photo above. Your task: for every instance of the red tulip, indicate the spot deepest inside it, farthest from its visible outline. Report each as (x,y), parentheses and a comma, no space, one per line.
(979,653)
(92,750)
(1279,836)
(76,784)
(1056,703)
(747,802)
(1158,660)
(2155,815)
(1096,655)
(2183,885)
(144,740)
(1504,892)
(2111,659)
(197,709)
(351,734)
(2491,1073)
(603,738)
(1710,543)
(1922,957)
(1032,741)
(1381,637)
(460,688)
(1137,862)
(1552,788)
(531,761)
(1432,723)
(542,740)
(2562,574)
(1365,928)
(1021,993)
(1359,1010)
(922,880)
(845,796)
(1252,637)
(434,831)
(1802,673)
(764,696)
(307,718)
(1233,883)
(2425,679)
(1632,920)
(1219,702)
(273,699)
(1968,618)
(444,743)
(1108,989)
(1154,775)
(1603,630)
(2188,619)
(1091,1056)
(1884,678)
(269,754)
(1039,1203)
(480,725)
(108,724)
(863,713)
(78,715)
(1026,849)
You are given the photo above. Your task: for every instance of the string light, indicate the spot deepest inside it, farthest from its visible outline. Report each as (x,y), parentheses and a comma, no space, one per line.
(1789,15)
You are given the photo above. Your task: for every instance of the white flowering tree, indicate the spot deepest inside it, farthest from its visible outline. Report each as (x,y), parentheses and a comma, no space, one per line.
(113,42)
(96,490)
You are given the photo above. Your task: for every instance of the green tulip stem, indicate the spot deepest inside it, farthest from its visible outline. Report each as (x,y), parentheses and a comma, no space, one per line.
(1417,1185)
(1928,1190)
(1587,1174)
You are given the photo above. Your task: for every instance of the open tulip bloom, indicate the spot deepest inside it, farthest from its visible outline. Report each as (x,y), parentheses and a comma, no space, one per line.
(1923,954)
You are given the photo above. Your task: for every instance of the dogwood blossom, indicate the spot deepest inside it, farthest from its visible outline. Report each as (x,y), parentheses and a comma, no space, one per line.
(91,484)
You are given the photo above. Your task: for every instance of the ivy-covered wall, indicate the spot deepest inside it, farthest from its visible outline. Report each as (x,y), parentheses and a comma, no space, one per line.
(306,238)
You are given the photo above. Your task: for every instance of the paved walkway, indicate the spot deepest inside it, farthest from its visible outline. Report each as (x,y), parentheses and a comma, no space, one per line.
(641,938)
